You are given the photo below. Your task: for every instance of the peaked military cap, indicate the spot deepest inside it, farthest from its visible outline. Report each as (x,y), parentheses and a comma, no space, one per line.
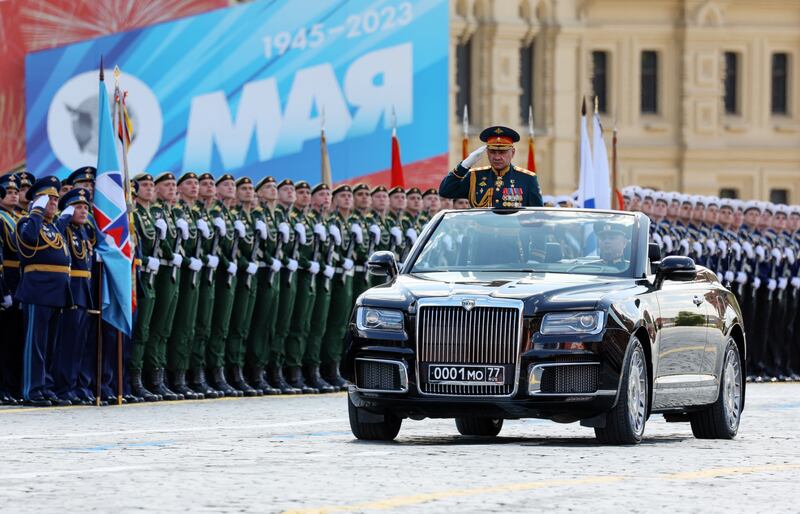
(82,174)
(395,190)
(752,204)
(360,187)
(429,192)
(344,188)
(607,228)
(499,137)
(224,177)
(285,182)
(413,191)
(134,188)
(44,186)
(24,179)
(166,175)
(205,176)
(243,181)
(302,185)
(379,189)
(9,182)
(269,179)
(322,186)
(143,177)
(187,176)
(74,197)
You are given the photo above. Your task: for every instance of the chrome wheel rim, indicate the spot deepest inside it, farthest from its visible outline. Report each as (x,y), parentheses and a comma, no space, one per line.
(637,392)
(732,389)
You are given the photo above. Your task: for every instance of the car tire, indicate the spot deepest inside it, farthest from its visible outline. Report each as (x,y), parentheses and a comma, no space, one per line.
(720,420)
(625,422)
(385,430)
(486,427)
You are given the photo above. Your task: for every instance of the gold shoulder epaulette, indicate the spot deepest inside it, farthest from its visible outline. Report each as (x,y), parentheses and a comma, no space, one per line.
(527,172)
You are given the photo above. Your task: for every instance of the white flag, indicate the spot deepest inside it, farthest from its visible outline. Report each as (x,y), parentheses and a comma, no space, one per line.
(602,176)
(586,188)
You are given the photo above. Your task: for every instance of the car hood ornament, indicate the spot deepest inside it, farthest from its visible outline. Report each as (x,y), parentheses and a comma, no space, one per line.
(468,304)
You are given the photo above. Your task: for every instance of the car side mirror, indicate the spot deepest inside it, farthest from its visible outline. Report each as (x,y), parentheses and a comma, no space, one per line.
(676,267)
(654,256)
(382,264)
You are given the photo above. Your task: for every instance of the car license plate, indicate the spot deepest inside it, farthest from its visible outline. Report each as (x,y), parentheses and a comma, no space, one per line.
(466,375)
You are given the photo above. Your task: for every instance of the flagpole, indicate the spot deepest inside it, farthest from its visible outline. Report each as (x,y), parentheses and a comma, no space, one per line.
(615,194)
(99,367)
(118,117)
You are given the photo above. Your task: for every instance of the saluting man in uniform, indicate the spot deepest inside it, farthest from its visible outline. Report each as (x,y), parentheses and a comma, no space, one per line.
(43,291)
(499,185)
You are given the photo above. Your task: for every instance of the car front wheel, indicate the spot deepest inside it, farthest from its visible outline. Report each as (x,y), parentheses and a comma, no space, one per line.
(486,427)
(625,422)
(720,420)
(372,427)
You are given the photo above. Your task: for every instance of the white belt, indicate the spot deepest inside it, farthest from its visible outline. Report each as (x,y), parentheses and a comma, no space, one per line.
(339,271)
(360,269)
(165,262)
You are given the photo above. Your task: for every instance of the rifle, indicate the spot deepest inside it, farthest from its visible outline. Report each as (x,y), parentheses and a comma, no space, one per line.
(315,258)
(234,255)
(328,262)
(214,250)
(156,255)
(293,254)
(253,256)
(197,249)
(177,249)
(348,254)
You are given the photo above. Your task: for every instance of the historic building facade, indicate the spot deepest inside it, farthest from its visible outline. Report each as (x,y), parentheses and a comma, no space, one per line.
(704,93)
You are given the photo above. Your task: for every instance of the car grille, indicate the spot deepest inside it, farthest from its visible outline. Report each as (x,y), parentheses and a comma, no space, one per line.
(570,379)
(378,375)
(454,335)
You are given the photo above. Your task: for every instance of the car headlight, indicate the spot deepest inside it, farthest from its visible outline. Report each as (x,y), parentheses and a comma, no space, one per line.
(568,323)
(369,318)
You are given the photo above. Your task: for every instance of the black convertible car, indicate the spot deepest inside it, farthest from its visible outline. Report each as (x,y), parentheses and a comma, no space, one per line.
(569,315)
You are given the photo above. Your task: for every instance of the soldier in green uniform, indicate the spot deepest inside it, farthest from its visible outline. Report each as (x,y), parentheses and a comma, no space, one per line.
(172,232)
(340,227)
(290,232)
(182,337)
(415,210)
(225,287)
(401,223)
(367,236)
(317,214)
(380,215)
(262,326)
(249,231)
(149,249)
(206,281)
(309,264)
(431,202)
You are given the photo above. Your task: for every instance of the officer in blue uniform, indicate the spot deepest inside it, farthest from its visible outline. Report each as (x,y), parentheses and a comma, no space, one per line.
(499,185)
(24,181)
(43,291)
(74,331)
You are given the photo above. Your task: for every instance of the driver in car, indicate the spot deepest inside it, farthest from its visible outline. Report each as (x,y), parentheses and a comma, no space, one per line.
(611,242)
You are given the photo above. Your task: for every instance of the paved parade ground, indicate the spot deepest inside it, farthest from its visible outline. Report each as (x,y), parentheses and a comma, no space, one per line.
(297,454)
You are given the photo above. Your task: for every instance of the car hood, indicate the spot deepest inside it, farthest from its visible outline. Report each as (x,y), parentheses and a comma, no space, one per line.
(539,291)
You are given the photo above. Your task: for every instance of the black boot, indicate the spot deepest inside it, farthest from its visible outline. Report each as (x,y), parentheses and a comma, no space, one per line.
(199,384)
(315,380)
(238,382)
(158,387)
(257,381)
(296,380)
(179,386)
(330,372)
(219,383)
(276,380)
(138,389)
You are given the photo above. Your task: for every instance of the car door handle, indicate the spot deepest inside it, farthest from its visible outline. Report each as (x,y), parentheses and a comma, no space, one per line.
(697,300)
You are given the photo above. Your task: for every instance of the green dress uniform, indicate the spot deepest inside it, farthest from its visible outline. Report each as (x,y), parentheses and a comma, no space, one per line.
(363,250)
(181,339)
(385,243)
(401,221)
(288,291)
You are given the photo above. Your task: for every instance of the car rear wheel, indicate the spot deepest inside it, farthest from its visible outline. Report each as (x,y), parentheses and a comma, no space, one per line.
(372,427)
(625,422)
(487,427)
(720,420)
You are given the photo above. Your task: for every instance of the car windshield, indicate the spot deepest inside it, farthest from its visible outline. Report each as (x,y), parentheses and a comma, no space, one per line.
(533,241)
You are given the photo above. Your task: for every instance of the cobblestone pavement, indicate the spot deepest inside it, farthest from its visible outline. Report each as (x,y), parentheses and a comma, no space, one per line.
(283,453)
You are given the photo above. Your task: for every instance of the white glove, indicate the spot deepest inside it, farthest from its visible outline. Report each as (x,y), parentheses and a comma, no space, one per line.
(777,255)
(711,245)
(684,244)
(756,283)
(347,264)
(313,268)
(355,228)
(283,228)
(375,231)
(698,248)
(782,283)
(68,211)
(736,247)
(657,239)
(328,272)
(292,266)
(301,232)
(397,235)
(238,226)
(748,249)
(741,277)
(183,227)
(220,224)
(262,229)
(319,230)
(772,284)
(668,243)
(275,265)
(251,269)
(412,235)
(761,252)
(232,268)
(213,261)
(177,260)
(474,157)
(161,225)
(729,276)
(723,247)
(720,276)
(195,264)
(795,282)
(789,254)
(153,264)
(202,226)
(41,202)
(7,301)
(335,234)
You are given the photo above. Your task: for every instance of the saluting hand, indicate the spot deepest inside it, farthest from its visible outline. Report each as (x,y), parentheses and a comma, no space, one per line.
(473,158)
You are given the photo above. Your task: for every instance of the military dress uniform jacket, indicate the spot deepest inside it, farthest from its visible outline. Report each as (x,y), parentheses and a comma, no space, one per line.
(225,243)
(45,262)
(346,249)
(161,210)
(190,247)
(306,251)
(81,252)
(281,215)
(485,187)
(8,242)
(147,239)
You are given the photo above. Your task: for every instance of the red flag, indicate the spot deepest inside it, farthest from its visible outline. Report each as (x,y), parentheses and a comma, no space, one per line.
(531,157)
(397,166)
(464,148)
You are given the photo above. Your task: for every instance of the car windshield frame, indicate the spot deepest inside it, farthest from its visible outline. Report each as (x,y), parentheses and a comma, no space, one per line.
(637,250)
